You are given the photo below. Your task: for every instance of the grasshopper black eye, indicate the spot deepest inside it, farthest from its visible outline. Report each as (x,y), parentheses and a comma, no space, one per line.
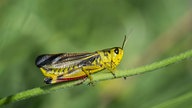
(116,51)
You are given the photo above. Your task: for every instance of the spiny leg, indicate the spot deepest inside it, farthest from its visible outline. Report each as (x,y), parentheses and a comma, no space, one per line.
(91,69)
(112,72)
(111,68)
(88,75)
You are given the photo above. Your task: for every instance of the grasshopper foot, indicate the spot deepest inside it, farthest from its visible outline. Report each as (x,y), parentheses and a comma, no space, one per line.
(91,83)
(114,75)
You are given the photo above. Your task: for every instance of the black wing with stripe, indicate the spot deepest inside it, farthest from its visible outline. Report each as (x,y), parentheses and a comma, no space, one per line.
(64,60)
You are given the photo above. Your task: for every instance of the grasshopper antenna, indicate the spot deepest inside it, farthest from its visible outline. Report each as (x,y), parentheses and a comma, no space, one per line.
(124,42)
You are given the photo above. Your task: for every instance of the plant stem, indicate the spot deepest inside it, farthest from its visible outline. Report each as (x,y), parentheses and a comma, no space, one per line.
(96,77)
(175,101)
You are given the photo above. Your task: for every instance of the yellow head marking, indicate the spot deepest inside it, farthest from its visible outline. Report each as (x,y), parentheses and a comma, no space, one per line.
(116,56)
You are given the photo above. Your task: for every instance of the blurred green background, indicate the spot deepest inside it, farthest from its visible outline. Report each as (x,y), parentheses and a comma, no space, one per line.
(156,30)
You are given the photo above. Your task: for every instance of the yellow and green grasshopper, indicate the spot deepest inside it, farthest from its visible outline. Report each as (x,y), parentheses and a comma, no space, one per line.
(65,67)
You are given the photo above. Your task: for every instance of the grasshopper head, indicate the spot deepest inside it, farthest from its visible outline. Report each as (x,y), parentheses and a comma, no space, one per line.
(112,57)
(116,55)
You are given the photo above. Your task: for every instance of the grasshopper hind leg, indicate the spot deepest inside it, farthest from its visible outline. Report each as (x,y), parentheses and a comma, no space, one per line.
(48,80)
(87,72)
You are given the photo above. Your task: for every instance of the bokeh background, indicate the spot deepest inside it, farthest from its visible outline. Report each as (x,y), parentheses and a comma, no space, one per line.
(157,29)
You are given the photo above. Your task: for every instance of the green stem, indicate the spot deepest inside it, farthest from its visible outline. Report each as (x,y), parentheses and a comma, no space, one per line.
(175,101)
(96,77)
